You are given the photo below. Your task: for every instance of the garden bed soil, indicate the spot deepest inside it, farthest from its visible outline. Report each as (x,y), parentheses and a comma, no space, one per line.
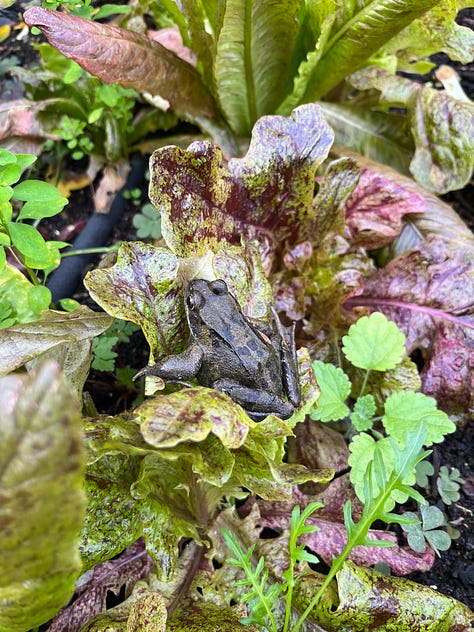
(452,573)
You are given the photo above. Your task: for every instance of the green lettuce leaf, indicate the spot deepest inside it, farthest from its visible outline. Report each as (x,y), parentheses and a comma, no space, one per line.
(42,501)
(253,58)
(436,31)
(358,30)
(60,336)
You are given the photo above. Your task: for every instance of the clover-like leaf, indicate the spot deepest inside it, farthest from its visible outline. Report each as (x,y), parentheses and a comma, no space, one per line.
(374,343)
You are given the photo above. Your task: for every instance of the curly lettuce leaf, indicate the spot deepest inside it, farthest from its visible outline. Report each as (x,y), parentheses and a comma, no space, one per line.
(42,502)
(267,194)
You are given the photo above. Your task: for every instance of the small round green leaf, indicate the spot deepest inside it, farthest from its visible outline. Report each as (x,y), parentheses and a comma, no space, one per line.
(28,241)
(374,343)
(39,298)
(38,209)
(36,191)
(10,174)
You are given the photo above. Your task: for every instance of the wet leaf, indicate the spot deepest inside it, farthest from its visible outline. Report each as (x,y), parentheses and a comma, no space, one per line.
(367,600)
(42,465)
(126,57)
(206,617)
(267,194)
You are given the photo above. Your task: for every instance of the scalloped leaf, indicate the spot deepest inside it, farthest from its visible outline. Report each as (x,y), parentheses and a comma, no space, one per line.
(42,465)
(374,343)
(126,57)
(268,194)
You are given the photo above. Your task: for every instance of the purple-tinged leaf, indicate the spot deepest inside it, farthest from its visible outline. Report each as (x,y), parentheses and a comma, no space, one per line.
(375,210)
(121,56)
(134,564)
(428,291)
(442,127)
(267,194)
(143,287)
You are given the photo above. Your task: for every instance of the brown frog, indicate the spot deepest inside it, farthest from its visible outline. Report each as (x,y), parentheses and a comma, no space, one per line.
(254,363)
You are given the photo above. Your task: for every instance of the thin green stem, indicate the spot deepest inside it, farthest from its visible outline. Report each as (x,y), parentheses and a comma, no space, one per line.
(364,383)
(90,251)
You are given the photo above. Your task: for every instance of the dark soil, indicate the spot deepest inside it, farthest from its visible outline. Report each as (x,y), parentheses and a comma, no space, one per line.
(452,573)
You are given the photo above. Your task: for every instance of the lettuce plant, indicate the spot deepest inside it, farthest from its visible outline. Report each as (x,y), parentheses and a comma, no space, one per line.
(257,58)
(163,478)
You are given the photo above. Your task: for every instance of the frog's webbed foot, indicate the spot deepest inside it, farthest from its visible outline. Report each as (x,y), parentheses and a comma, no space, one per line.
(176,368)
(258,404)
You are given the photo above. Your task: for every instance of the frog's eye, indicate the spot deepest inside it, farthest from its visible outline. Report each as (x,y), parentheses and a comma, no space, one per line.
(194,301)
(218,287)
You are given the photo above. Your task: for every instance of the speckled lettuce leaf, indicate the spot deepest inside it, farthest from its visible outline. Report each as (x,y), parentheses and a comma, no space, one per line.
(442,128)
(207,617)
(428,292)
(143,611)
(60,336)
(363,597)
(143,287)
(436,31)
(113,517)
(42,502)
(334,189)
(125,57)
(191,415)
(126,571)
(253,60)
(267,194)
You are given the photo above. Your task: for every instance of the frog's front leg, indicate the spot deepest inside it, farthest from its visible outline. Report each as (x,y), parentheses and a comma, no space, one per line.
(180,366)
(257,403)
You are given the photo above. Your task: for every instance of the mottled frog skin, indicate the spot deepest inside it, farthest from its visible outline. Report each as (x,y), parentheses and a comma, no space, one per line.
(254,363)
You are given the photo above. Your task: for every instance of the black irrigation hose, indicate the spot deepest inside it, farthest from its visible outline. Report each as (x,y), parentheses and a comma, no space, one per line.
(64,281)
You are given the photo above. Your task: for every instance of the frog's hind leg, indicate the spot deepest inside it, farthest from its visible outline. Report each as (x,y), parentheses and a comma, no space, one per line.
(258,404)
